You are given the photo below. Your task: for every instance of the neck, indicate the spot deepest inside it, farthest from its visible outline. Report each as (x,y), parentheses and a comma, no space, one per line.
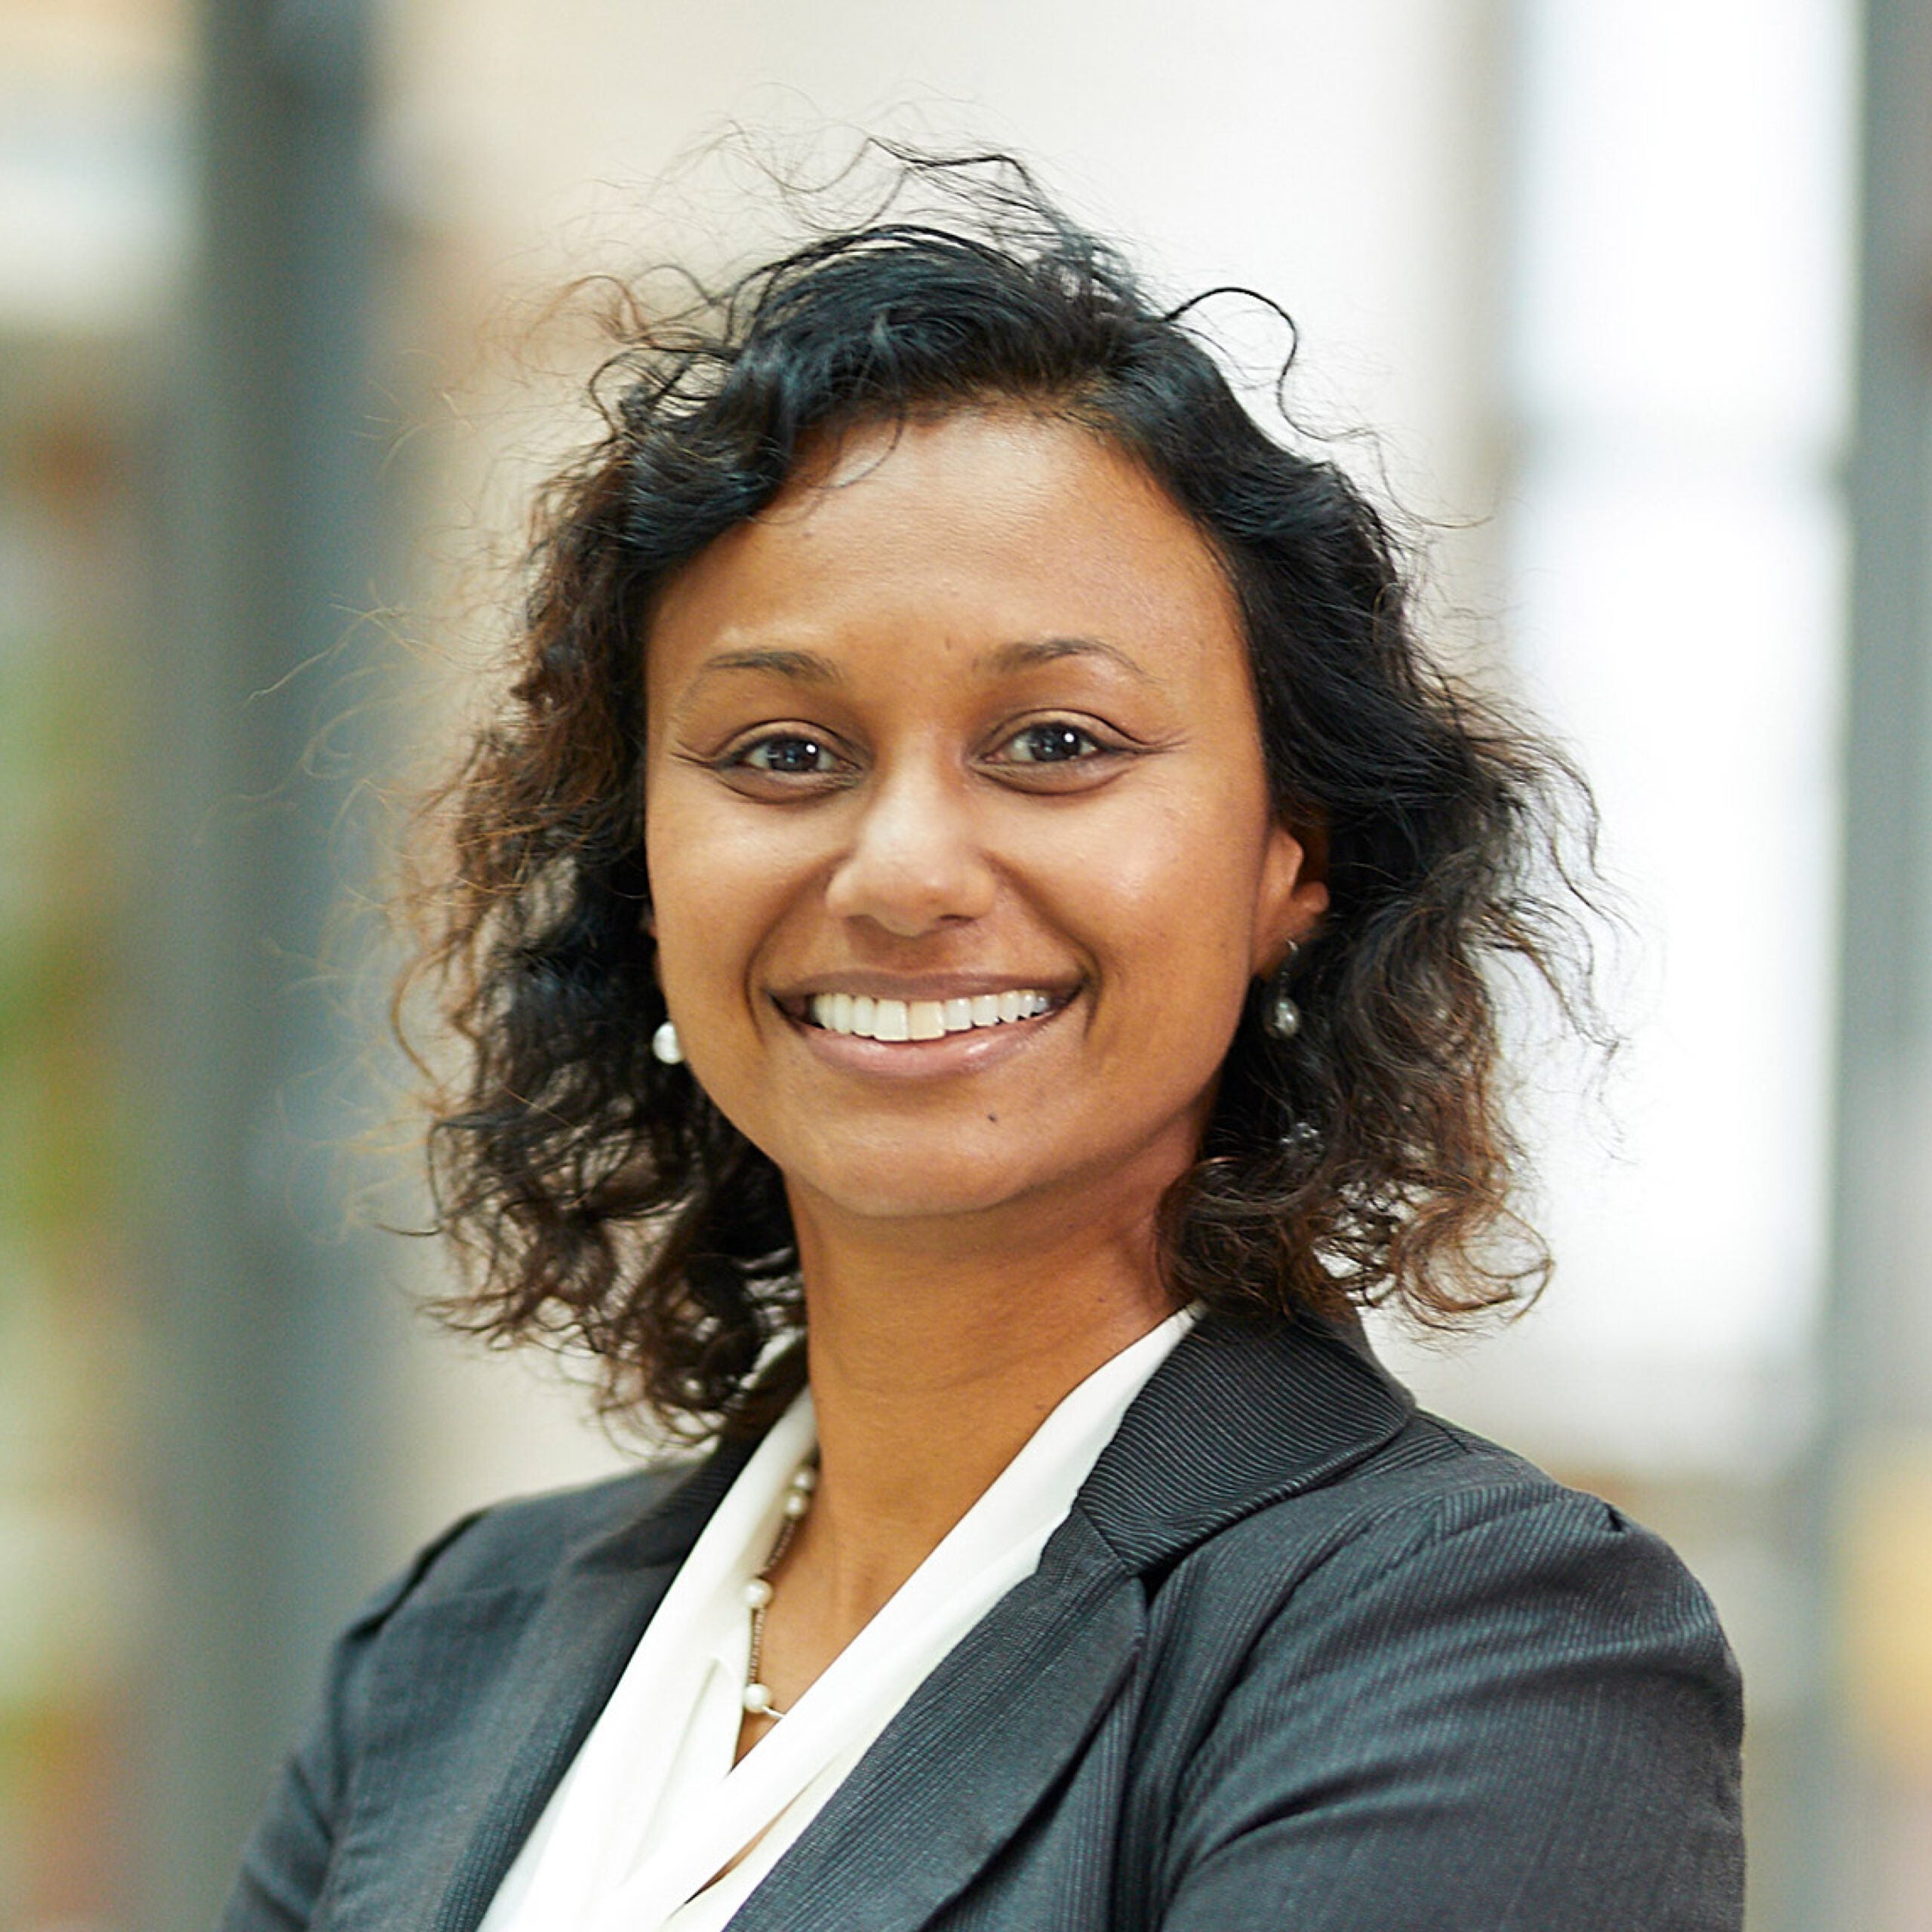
(936,1351)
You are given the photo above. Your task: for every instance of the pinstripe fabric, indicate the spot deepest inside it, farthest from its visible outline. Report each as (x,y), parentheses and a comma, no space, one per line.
(1299,1657)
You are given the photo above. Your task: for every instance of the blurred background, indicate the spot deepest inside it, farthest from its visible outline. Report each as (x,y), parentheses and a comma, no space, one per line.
(1637,295)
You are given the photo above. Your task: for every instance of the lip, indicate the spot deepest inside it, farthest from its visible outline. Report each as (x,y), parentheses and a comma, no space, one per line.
(969,1052)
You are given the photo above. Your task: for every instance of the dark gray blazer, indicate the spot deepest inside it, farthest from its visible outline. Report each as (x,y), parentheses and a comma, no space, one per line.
(1299,1658)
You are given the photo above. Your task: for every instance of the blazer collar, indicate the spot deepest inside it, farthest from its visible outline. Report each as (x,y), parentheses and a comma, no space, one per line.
(1230,1422)
(1233,1420)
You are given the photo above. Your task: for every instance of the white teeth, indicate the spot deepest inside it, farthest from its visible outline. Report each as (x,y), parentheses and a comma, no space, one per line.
(895,1020)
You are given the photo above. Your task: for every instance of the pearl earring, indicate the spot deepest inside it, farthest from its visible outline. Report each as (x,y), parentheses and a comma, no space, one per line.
(666,1046)
(1281,1017)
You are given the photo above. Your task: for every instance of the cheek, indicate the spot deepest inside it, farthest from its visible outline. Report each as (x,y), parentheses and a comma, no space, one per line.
(694,905)
(1181,883)
(723,884)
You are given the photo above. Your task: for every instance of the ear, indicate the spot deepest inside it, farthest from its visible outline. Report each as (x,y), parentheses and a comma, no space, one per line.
(1292,893)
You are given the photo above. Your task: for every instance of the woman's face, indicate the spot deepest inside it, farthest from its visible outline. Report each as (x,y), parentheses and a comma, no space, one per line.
(960,851)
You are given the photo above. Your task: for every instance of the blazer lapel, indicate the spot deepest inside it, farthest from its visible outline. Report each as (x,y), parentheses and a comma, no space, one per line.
(511,1680)
(1229,1423)
(955,1773)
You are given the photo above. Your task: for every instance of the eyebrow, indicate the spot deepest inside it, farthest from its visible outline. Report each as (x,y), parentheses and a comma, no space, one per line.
(1024,657)
(806,667)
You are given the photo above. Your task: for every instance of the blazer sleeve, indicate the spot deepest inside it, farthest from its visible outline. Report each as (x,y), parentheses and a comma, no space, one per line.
(287,1861)
(1517,1714)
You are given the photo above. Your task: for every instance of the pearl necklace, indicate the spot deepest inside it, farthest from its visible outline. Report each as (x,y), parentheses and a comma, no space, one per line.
(757,1592)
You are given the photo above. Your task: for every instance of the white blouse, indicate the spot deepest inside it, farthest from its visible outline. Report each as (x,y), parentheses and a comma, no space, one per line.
(653,1808)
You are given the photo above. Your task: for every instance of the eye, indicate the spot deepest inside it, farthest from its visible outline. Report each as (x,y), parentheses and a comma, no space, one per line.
(1059,755)
(782,762)
(787,755)
(1051,743)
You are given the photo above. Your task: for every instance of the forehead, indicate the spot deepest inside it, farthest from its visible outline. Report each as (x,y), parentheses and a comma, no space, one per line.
(991,526)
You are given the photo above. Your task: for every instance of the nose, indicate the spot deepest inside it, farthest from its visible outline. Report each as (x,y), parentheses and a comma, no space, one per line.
(915,861)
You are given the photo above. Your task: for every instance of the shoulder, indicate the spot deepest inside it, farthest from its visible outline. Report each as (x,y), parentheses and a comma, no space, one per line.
(489,1575)
(1281,1477)
(1491,1670)
(1438,1524)
(1442,1594)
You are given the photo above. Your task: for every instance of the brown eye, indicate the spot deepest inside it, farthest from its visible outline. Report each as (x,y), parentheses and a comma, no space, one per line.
(789,756)
(1051,744)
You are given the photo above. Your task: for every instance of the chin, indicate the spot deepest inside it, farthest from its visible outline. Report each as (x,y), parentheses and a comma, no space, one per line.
(913,1190)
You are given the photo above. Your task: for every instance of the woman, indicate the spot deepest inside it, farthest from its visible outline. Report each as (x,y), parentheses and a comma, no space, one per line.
(974,930)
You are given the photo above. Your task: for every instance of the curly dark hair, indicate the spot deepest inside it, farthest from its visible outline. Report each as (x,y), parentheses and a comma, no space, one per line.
(602,1198)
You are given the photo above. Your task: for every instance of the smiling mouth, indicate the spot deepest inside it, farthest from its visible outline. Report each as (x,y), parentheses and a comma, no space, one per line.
(861,1016)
